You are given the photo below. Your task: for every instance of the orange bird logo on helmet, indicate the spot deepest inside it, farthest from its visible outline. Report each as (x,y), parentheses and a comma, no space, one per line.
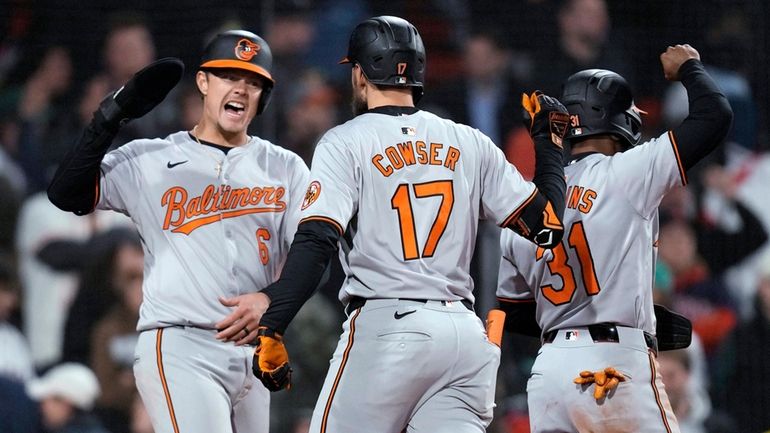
(245,49)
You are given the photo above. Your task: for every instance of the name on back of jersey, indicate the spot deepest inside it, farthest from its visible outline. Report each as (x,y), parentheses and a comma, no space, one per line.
(409,153)
(580,198)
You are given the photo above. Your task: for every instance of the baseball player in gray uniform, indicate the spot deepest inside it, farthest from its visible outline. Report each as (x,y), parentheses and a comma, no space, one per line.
(590,297)
(402,191)
(217,210)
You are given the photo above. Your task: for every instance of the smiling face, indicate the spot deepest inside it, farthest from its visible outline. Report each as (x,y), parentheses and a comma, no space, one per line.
(230,98)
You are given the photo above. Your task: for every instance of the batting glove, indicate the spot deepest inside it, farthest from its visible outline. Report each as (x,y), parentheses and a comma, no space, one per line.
(545,117)
(271,361)
(604,381)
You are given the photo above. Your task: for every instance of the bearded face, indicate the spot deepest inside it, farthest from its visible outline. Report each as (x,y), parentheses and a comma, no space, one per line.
(358,102)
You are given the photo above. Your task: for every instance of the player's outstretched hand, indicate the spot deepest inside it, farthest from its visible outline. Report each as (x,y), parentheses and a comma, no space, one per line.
(271,361)
(604,380)
(241,325)
(545,117)
(674,57)
(146,89)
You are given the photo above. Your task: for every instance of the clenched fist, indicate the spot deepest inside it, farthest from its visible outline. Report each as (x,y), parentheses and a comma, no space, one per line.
(674,57)
(545,116)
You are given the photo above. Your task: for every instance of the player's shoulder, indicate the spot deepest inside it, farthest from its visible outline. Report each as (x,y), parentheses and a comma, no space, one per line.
(275,152)
(141,146)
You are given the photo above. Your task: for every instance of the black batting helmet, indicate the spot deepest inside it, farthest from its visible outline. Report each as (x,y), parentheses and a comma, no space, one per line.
(600,102)
(390,52)
(240,49)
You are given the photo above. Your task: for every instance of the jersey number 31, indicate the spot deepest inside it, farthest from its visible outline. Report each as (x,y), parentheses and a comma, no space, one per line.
(558,265)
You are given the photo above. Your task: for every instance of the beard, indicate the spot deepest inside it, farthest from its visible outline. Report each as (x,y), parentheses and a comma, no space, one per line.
(358,104)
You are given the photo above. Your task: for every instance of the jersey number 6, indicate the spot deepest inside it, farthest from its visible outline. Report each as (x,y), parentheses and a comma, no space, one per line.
(263,235)
(558,266)
(402,203)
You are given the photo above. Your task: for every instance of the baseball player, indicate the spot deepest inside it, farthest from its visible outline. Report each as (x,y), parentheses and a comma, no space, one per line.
(590,297)
(402,191)
(217,210)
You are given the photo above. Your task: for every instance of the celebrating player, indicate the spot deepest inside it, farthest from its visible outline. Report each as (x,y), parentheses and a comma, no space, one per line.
(595,287)
(217,210)
(403,190)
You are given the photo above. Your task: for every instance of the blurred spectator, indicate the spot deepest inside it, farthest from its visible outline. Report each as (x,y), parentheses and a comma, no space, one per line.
(110,266)
(729,51)
(114,336)
(129,47)
(583,42)
(689,400)
(289,34)
(311,111)
(18,412)
(190,106)
(11,174)
(48,292)
(486,97)
(66,394)
(15,359)
(697,294)
(746,180)
(140,419)
(742,373)
(726,239)
(10,202)
(44,109)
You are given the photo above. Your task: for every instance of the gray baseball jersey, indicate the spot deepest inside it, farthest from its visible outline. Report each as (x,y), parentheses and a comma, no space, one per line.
(409,190)
(212,225)
(604,268)
(413,189)
(602,272)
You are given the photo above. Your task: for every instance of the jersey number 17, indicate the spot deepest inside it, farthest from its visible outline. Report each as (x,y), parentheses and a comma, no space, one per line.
(401,202)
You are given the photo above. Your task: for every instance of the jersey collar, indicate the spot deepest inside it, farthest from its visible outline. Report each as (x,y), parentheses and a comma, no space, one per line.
(575,158)
(393,110)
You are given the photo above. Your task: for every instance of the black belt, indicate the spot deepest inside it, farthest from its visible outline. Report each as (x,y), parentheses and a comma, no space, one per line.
(358,302)
(605,333)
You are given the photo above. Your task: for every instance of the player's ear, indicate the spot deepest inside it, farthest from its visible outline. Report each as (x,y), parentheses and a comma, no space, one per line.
(357,77)
(202,81)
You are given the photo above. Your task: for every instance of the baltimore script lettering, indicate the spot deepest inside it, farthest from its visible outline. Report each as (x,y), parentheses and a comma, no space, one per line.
(217,203)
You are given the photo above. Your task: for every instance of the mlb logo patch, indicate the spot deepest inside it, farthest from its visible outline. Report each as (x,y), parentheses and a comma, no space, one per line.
(571,335)
(408,130)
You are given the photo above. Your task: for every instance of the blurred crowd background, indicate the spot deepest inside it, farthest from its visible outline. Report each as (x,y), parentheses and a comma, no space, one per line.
(70,287)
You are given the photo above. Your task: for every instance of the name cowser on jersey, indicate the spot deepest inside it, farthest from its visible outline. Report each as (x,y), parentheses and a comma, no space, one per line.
(408,191)
(188,200)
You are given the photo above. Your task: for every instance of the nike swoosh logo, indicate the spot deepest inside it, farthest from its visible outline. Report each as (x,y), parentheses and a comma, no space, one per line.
(170,165)
(402,315)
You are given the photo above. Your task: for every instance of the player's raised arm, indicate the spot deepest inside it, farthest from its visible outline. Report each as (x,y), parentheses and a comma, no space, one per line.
(710,114)
(75,186)
(539,220)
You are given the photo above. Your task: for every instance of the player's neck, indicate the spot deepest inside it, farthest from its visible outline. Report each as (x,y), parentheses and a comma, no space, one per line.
(380,97)
(213,134)
(603,145)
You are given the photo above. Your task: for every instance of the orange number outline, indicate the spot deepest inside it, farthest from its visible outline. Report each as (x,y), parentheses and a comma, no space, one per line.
(559,266)
(401,203)
(262,235)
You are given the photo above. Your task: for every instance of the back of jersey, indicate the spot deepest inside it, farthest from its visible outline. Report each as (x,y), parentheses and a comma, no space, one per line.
(408,191)
(603,270)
